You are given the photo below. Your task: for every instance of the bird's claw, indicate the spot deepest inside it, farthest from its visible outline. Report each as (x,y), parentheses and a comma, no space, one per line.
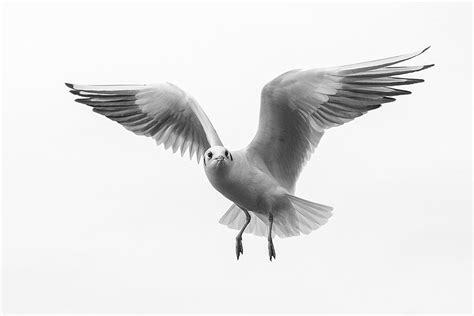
(271,250)
(239,249)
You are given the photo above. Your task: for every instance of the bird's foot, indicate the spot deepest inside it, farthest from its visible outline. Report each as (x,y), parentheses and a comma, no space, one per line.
(239,249)
(271,249)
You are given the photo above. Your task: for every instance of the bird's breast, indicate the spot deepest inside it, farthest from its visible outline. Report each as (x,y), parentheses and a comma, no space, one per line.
(244,184)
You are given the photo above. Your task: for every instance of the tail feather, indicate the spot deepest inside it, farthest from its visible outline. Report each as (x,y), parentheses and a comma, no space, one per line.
(313,214)
(305,217)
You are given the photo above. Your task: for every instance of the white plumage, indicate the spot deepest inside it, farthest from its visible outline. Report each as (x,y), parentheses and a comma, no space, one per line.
(296,108)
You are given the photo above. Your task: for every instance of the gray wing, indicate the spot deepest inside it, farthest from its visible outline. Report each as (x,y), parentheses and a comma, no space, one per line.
(161,111)
(298,106)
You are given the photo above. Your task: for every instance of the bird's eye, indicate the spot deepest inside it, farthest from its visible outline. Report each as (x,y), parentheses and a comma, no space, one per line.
(227,154)
(209,155)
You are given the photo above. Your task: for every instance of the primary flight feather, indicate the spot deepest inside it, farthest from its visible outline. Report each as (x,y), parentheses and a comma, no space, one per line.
(296,108)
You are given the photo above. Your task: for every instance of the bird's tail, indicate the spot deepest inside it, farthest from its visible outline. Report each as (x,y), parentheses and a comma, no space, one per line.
(310,215)
(304,217)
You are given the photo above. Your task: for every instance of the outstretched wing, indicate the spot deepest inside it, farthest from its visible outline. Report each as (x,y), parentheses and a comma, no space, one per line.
(162,111)
(299,105)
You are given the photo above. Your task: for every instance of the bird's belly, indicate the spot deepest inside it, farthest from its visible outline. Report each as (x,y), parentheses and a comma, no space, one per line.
(242,194)
(253,190)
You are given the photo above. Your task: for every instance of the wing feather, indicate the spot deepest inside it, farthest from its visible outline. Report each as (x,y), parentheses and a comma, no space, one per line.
(299,105)
(163,112)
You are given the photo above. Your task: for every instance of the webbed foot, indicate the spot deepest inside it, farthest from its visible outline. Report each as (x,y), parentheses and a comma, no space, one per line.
(239,249)
(271,249)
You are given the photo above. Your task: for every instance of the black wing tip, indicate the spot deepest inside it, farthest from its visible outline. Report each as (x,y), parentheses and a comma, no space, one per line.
(388,99)
(418,53)
(417,80)
(409,81)
(401,92)
(82,100)
(427,66)
(75,92)
(69,85)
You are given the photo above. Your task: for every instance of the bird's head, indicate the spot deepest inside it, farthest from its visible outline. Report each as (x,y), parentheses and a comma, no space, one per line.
(217,157)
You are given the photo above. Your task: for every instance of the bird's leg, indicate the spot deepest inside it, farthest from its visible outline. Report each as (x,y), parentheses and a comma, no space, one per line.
(271,249)
(239,249)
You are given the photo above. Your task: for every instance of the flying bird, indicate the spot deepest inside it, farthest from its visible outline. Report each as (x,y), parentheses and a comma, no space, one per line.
(296,109)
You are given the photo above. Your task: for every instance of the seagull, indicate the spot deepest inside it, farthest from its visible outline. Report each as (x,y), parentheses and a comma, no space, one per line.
(296,109)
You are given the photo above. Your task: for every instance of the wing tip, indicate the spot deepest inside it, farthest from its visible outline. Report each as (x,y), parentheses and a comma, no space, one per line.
(69,85)
(412,81)
(75,92)
(82,100)
(379,63)
(421,51)
(413,55)
(388,99)
(425,49)
(427,66)
(401,92)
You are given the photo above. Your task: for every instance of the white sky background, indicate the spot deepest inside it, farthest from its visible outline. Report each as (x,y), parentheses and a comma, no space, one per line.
(97,219)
